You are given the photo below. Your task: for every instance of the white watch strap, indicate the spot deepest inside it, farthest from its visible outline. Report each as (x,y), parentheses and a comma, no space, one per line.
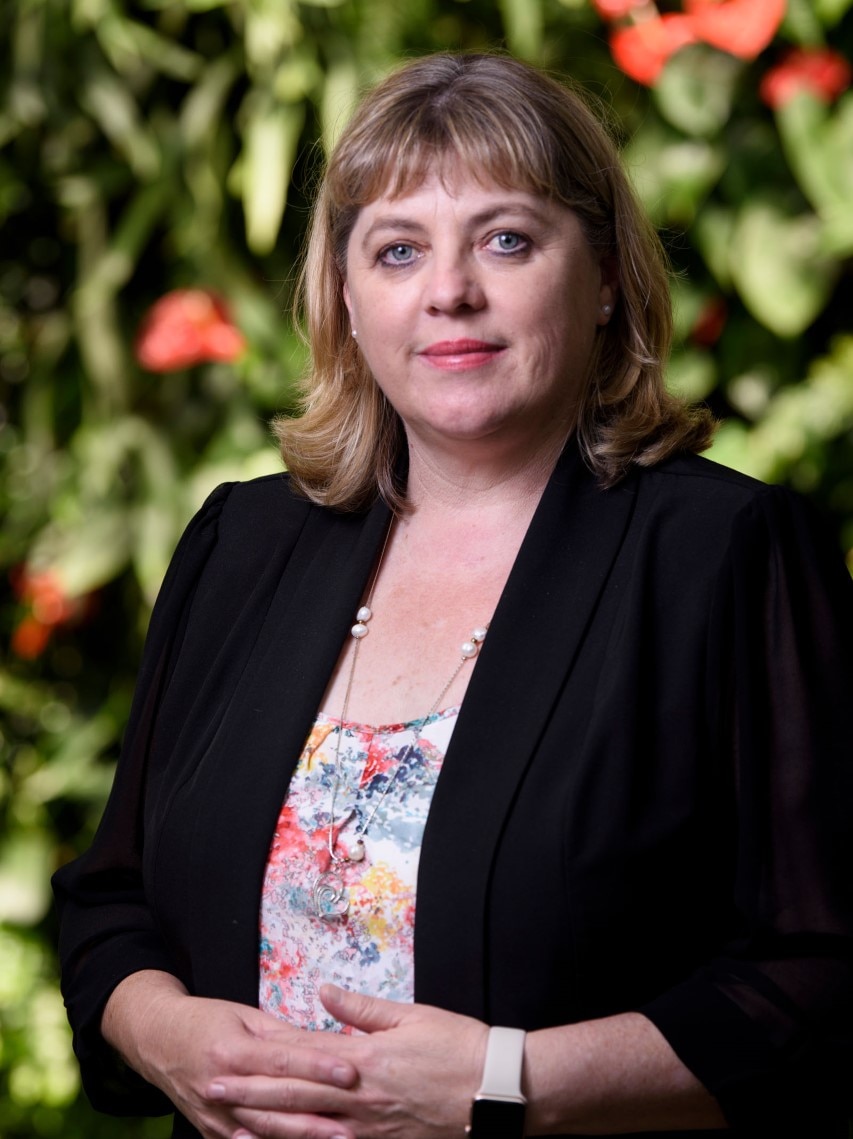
(504,1060)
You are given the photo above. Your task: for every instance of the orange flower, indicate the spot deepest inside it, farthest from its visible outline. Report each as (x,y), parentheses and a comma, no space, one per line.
(821,71)
(641,50)
(46,596)
(49,607)
(187,327)
(741,27)
(30,638)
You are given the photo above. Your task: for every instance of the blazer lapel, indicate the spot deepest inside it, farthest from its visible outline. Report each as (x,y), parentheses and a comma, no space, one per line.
(533,642)
(246,771)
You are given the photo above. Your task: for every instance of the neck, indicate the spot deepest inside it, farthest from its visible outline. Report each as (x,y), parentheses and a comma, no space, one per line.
(478,477)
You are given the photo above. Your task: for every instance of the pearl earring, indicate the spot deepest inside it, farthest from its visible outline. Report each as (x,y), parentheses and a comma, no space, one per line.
(607,309)
(355,334)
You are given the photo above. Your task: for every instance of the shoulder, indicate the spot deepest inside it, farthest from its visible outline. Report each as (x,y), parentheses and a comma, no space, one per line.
(687,476)
(265,499)
(729,518)
(242,532)
(256,518)
(692,487)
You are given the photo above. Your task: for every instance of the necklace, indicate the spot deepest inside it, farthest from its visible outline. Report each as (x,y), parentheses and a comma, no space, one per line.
(331,899)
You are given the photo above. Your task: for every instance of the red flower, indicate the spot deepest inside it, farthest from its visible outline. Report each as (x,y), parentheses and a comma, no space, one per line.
(187,327)
(30,638)
(741,27)
(49,607)
(710,322)
(616,9)
(641,50)
(45,594)
(821,71)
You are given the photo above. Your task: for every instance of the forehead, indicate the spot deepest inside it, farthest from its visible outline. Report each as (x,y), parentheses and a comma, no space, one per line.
(458,190)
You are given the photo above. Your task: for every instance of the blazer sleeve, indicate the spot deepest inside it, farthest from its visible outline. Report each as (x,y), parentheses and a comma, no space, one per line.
(107,929)
(768,1025)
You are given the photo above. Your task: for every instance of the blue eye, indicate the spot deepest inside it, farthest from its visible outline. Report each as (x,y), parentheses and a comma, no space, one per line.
(508,242)
(397,254)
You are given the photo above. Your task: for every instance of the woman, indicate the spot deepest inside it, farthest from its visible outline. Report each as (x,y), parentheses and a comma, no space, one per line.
(637,847)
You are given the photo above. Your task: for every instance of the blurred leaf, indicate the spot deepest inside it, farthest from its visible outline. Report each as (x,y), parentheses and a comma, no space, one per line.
(819,146)
(204,105)
(672,175)
(74,771)
(795,418)
(295,77)
(778,268)
(713,232)
(113,268)
(113,107)
(524,25)
(697,88)
(25,866)
(831,11)
(271,136)
(128,43)
(156,528)
(340,93)
(271,28)
(264,461)
(691,374)
(802,23)
(87,555)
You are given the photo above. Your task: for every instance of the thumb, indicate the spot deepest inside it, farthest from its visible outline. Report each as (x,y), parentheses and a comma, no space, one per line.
(367,1014)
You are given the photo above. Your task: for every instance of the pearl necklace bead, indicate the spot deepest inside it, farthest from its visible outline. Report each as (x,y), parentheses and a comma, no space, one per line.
(360,629)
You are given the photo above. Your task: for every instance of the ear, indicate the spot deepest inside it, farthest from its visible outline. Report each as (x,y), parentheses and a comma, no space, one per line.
(348,301)
(608,292)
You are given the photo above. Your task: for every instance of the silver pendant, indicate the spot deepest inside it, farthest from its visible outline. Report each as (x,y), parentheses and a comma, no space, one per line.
(330,896)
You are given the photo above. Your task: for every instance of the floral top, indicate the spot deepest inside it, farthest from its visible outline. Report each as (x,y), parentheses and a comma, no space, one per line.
(369,948)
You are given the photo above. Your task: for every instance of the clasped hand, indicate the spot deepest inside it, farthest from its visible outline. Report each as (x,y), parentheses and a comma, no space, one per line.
(408,1073)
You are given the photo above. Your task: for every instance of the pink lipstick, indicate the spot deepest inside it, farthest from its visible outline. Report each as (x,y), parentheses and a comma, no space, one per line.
(457,355)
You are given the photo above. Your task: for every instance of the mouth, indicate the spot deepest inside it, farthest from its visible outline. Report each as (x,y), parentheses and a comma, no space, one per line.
(457,355)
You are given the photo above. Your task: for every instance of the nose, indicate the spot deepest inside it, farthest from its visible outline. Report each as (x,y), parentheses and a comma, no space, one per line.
(452,284)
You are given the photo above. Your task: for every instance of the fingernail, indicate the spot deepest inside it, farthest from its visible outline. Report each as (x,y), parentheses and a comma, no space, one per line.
(343,1077)
(215,1091)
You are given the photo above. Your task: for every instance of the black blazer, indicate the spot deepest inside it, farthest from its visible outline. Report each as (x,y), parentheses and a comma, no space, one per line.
(645,804)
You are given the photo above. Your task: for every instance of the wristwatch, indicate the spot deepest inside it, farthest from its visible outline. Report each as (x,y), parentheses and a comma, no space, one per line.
(498,1108)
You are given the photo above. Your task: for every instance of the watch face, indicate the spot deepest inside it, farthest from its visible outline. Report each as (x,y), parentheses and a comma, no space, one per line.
(497,1119)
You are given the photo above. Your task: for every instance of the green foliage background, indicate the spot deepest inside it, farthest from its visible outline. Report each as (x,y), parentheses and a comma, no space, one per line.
(147,145)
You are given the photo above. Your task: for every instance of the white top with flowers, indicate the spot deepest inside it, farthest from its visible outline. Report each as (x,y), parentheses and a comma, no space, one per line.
(370,948)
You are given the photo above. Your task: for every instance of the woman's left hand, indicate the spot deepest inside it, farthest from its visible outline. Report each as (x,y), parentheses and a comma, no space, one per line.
(418,1066)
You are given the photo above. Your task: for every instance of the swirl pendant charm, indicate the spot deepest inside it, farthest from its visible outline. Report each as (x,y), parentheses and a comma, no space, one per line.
(330,896)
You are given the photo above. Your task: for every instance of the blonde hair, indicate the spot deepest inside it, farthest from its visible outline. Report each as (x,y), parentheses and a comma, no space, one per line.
(508,124)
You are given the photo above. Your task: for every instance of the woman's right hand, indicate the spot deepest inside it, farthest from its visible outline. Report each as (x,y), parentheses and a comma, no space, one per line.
(183,1044)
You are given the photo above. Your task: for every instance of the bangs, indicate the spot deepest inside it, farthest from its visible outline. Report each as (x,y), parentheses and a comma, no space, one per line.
(445,141)
(405,171)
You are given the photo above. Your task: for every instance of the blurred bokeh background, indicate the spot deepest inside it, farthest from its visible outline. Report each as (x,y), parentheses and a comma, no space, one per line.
(156,165)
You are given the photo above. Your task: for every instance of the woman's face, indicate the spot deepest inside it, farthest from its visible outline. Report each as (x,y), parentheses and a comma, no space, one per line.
(476,309)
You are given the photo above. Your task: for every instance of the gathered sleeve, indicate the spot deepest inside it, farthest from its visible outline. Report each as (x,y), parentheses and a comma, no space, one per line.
(108,930)
(767,1025)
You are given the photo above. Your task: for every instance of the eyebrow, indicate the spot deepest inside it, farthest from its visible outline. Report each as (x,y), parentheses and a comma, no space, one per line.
(400,223)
